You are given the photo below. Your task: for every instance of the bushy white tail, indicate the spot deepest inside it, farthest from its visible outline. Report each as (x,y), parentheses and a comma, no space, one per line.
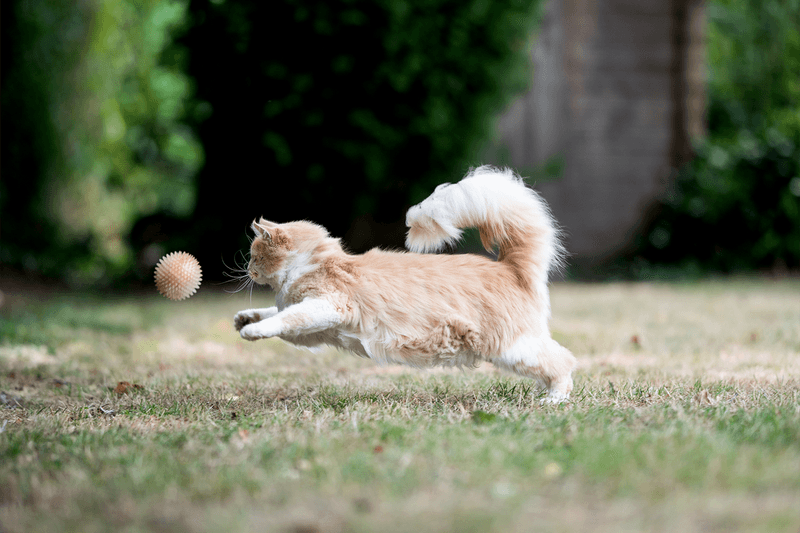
(508,215)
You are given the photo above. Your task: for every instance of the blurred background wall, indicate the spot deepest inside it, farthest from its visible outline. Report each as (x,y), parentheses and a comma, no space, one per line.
(617,94)
(665,134)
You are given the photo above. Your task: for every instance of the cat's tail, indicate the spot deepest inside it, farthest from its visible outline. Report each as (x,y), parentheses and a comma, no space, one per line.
(509,216)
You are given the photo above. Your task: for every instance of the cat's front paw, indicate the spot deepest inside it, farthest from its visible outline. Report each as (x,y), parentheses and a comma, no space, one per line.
(244,318)
(252,316)
(260,330)
(249,332)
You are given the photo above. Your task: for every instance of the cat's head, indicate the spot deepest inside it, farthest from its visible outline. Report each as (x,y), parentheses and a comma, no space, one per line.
(279,248)
(268,251)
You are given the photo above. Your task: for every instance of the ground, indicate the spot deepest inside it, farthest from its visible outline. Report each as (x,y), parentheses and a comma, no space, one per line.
(134,413)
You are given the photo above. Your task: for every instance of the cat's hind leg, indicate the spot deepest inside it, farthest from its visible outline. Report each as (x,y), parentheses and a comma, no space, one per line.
(544,360)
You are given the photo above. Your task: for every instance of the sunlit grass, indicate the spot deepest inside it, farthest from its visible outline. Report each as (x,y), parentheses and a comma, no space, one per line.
(685,417)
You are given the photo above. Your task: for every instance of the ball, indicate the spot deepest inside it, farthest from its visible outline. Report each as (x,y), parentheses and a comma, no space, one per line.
(178,275)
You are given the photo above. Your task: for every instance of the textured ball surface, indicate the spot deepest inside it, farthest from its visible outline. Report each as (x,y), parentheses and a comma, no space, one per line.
(178,275)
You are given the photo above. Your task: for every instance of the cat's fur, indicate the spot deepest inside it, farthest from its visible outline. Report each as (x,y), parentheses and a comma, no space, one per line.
(423,309)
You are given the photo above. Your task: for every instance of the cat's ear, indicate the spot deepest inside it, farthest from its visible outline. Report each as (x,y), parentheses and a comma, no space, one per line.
(261,229)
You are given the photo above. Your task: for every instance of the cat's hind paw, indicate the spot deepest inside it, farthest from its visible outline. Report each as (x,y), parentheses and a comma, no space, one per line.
(558,392)
(554,398)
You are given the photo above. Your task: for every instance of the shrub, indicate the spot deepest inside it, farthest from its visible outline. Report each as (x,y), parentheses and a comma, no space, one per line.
(92,133)
(737,205)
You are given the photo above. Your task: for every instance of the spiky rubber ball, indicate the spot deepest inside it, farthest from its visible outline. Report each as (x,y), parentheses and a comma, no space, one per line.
(178,275)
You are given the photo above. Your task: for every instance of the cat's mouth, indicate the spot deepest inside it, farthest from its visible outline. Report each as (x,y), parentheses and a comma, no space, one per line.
(259,279)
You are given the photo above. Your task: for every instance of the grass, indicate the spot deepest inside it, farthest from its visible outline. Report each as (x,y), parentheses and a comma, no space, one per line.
(140,414)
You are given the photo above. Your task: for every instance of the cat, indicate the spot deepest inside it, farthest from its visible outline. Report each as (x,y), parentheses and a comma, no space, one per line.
(423,309)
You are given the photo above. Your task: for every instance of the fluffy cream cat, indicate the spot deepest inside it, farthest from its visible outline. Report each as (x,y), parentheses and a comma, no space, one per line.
(423,309)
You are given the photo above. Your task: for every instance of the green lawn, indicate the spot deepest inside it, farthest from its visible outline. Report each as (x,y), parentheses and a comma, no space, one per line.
(140,414)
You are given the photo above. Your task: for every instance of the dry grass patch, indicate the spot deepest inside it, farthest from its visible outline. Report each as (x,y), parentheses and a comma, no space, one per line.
(685,417)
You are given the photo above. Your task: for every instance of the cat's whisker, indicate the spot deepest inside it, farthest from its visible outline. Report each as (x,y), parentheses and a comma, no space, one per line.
(243,284)
(238,273)
(237,268)
(242,279)
(233,277)
(244,258)
(226,290)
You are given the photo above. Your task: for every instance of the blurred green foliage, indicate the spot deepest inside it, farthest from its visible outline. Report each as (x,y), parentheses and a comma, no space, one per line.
(92,132)
(737,205)
(341,109)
